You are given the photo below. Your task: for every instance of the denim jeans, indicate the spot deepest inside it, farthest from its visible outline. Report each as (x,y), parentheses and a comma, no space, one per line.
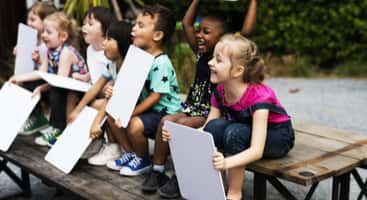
(234,137)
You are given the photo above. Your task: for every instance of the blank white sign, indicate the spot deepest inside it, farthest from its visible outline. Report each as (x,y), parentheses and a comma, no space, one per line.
(16,104)
(192,154)
(65,82)
(129,83)
(26,44)
(75,139)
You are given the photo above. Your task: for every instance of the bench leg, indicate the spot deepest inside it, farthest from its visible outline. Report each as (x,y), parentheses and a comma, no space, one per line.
(281,188)
(362,185)
(341,184)
(22,182)
(259,186)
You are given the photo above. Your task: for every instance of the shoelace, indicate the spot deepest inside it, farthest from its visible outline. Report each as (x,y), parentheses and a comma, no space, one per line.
(135,162)
(126,157)
(50,134)
(30,122)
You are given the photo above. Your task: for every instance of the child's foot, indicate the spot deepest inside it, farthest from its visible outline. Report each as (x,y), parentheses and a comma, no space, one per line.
(49,137)
(119,163)
(34,123)
(153,181)
(136,167)
(170,190)
(109,151)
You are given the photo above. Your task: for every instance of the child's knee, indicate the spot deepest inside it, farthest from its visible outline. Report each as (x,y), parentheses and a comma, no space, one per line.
(135,127)
(237,137)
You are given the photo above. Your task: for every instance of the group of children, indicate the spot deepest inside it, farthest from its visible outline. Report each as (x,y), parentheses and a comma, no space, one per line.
(227,96)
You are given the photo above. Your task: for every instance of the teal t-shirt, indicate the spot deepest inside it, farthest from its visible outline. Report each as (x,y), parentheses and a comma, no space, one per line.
(162,79)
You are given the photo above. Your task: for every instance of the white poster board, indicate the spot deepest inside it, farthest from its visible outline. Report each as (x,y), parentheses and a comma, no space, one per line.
(192,154)
(129,83)
(65,82)
(26,44)
(75,139)
(16,104)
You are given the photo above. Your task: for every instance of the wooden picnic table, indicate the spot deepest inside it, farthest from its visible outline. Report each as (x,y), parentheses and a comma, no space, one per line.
(319,153)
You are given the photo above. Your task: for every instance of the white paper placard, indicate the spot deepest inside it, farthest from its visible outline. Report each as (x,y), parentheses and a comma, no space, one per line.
(16,104)
(129,83)
(65,82)
(26,44)
(192,154)
(75,139)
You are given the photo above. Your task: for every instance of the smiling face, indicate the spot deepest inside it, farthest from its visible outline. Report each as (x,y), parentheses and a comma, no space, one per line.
(220,65)
(208,34)
(92,30)
(142,34)
(52,36)
(34,21)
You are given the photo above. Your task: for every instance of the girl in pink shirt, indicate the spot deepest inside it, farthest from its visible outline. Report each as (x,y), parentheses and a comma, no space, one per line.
(246,119)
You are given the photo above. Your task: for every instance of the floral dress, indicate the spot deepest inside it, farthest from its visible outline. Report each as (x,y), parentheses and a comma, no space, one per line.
(197,103)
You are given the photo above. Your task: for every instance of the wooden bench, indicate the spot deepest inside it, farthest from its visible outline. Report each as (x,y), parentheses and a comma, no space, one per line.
(320,153)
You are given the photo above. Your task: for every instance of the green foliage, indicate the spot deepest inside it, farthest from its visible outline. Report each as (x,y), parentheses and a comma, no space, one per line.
(355,68)
(327,31)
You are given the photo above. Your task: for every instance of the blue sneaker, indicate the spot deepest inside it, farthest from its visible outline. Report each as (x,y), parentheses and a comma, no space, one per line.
(119,163)
(136,166)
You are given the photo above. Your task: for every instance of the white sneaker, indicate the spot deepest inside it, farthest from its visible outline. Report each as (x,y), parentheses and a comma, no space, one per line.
(109,151)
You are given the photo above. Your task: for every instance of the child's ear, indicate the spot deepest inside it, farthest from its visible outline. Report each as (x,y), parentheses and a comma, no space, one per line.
(237,71)
(158,36)
(64,36)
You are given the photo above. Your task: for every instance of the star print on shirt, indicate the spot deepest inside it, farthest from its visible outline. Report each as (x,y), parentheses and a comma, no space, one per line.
(155,69)
(164,79)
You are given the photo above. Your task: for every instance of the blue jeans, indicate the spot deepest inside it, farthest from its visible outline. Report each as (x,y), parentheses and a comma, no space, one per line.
(234,137)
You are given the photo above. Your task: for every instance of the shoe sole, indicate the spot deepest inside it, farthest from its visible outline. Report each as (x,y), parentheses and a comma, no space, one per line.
(130,173)
(33,131)
(167,196)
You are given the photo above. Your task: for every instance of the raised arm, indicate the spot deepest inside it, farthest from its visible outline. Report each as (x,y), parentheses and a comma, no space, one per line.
(188,24)
(250,20)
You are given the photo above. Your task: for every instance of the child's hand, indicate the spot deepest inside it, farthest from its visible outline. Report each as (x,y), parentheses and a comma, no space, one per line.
(15,51)
(95,131)
(118,122)
(36,57)
(75,75)
(107,91)
(72,116)
(166,136)
(14,80)
(219,161)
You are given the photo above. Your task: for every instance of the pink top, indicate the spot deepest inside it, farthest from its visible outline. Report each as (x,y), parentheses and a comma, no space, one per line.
(255,93)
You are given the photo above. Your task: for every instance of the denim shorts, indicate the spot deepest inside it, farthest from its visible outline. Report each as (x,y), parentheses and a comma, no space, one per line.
(234,137)
(151,121)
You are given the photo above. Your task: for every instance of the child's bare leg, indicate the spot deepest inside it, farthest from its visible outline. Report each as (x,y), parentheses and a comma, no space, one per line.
(139,141)
(118,134)
(99,103)
(236,176)
(71,102)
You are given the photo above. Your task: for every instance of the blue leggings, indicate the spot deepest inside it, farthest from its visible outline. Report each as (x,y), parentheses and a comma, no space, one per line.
(234,137)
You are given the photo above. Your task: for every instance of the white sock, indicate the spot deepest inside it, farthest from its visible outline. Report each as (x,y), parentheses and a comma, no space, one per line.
(158,168)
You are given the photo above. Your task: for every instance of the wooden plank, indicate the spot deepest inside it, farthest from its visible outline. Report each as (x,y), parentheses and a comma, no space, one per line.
(300,161)
(327,132)
(87,181)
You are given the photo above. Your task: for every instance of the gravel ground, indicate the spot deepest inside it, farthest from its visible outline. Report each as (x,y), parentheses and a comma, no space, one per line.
(335,103)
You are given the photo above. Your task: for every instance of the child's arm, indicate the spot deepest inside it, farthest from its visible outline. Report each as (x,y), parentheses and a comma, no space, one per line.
(81,77)
(255,152)
(188,24)
(213,114)
(96,130)
(66,60)
(87,98)
(32,76)
(250,19)
(148,103)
